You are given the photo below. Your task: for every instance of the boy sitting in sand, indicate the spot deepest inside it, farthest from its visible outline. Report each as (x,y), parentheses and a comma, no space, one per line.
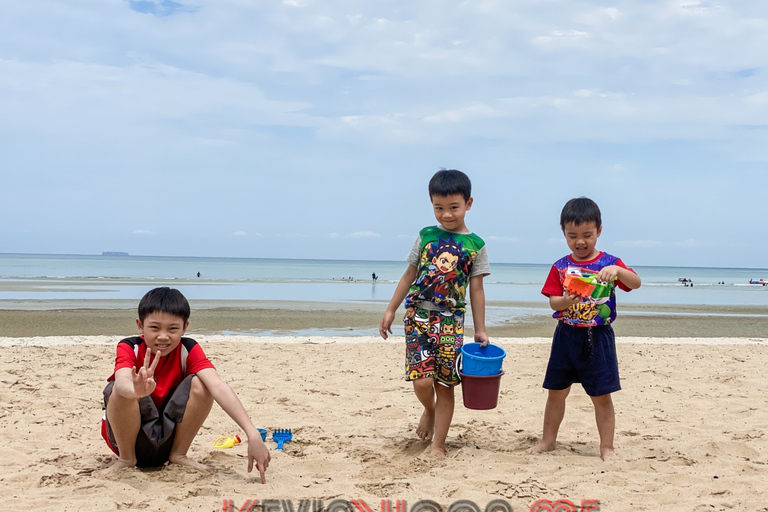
(444,259)
(584,346)
(162,390)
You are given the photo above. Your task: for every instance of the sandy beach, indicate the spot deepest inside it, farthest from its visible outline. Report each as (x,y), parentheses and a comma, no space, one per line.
(692,422)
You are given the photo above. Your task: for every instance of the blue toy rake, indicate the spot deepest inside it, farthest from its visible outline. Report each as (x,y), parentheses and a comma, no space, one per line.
(281,435)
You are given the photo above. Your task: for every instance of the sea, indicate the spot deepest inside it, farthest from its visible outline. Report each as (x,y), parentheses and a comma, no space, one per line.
(33,277)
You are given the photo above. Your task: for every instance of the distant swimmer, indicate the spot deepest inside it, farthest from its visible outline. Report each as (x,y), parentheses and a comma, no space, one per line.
(199,274)
(374,277)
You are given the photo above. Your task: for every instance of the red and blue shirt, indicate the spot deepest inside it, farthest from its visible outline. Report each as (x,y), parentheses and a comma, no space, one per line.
(597,309)
(185,359)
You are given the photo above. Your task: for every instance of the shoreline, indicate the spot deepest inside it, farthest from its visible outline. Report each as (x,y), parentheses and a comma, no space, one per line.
(31,318)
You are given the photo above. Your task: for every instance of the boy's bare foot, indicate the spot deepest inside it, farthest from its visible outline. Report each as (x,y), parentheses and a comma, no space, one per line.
(183,460)
(541,447)
(608,454)
(437,451)
(116,465)
(426,426)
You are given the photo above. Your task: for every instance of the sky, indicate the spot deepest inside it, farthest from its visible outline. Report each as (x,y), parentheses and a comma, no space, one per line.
(310,129)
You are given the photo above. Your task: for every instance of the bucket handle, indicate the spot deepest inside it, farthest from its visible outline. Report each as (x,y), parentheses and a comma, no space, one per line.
(457,364)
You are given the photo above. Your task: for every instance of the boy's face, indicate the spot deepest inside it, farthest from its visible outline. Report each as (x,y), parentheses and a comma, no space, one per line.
(582,239)
(162,331)
(450,211)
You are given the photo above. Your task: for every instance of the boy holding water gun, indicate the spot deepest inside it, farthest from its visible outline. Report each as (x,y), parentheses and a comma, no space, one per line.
(581,291)
(163,388)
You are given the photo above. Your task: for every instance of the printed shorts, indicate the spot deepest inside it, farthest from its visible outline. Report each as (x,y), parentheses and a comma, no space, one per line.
(155,438)
(433,340)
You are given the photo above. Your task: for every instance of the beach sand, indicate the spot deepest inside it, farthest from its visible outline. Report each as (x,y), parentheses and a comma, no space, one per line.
(691,429)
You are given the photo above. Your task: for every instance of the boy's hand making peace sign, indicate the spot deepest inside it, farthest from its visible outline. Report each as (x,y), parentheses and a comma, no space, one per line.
(144,379)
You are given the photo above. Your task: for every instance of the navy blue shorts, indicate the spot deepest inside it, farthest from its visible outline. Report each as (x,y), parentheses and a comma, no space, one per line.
(586,355)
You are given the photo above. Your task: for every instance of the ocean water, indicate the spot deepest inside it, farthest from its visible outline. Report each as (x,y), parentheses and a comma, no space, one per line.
(45,276)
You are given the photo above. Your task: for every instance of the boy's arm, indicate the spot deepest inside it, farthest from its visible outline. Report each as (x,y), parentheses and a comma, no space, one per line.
(626,276)
(385,327)
(563,302)
(225,396)
(477,300)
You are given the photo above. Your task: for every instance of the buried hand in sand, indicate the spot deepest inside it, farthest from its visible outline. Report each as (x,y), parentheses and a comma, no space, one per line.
(162,390)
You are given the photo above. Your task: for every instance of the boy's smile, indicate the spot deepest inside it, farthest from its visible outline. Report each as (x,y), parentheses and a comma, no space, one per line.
(582,239)
(450,211)
(162,331)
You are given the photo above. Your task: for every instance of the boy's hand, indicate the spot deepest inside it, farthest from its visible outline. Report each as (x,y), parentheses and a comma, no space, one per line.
(258,452)
(385,327)
(482,338)
(609,273)
(572,298)
(144,379)
(564,301)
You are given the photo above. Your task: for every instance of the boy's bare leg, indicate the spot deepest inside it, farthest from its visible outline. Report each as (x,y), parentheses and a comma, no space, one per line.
(606,424)
(198,406)
(425,392)
(125,421)
(443,415)
(553,416)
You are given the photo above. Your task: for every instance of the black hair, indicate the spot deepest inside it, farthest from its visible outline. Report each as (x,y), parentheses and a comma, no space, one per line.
(449,182)
(164,300)
(580,210)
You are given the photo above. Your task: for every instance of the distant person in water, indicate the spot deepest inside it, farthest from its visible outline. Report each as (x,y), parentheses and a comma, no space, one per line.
(198,274)
(374,277)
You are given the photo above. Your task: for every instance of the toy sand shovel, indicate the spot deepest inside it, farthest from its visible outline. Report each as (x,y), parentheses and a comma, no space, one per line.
(281,435)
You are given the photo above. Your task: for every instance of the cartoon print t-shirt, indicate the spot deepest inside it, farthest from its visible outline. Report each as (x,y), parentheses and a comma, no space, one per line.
(597,309)
(445,262)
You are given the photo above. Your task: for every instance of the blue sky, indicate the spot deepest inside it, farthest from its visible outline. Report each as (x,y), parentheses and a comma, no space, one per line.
(310,129)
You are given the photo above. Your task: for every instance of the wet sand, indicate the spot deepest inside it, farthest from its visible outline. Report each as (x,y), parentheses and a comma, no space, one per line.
(90,318)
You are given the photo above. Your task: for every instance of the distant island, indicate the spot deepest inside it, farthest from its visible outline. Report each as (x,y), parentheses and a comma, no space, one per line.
(114,253)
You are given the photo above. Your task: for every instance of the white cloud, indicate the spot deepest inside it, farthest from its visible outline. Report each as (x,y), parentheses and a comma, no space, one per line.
(240,233)
(503,238)
(142,232)
(689,243)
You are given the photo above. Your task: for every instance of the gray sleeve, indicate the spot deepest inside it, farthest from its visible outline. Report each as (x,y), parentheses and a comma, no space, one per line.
(413,256)
(481,266)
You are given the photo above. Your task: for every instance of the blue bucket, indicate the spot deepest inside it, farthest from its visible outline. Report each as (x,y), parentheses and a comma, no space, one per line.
(481,361)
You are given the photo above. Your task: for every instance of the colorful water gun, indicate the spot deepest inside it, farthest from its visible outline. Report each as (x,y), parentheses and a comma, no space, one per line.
(587,286)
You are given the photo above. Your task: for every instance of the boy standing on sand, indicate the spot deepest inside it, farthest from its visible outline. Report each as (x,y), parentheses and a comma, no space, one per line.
(443,261)
(584,346)
(162,390)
